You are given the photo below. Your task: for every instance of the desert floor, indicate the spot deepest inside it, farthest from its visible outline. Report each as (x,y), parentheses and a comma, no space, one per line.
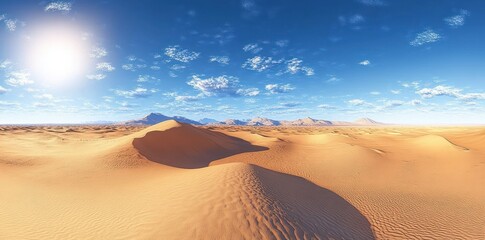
(176,181)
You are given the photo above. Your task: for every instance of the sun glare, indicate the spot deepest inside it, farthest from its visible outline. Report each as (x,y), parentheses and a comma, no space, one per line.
(57,55)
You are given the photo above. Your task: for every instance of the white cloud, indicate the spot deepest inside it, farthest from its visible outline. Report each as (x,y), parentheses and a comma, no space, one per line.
(177,67)
(258,63)
(146,78)
(326,106)
(395,91)
(3,90)
(18,78)
(97,76)
(5,64)
(105,66)
(365,63)
(253,48)
(294,66)
(135,93)
(221,86)
(131,58)
(58,6)
(188,98)
(250,92)
(442,90)
(375,93)
(11,24)
(411,84)
(439,91)
(279,88)
(181,55)
(98,52)
(428,36)
(332,79)
(128,67)
(220,59)
(457,20)
(356,102)
(154,67)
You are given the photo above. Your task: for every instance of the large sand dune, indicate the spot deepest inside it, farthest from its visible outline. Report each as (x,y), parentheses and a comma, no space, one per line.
(176,181)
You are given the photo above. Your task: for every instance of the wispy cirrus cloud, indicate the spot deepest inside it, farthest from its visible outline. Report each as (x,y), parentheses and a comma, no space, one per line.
(457,20)
(97,76)
(356,102)
(351,20)
(224,60)
(250,9)
(146,78)
(58,6)
(182,55)
(326,106)
(188,98)
(3,90)
(252,48)
(221,86)
(279,88)
(5,64)
(428,36)
(138,92)
(282,43)
(18,78)
(333,79)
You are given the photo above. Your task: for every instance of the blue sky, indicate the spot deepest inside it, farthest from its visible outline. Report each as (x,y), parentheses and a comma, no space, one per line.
(418,62)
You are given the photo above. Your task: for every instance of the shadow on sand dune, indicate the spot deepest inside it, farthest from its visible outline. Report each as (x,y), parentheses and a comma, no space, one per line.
(312,211)
(185,146)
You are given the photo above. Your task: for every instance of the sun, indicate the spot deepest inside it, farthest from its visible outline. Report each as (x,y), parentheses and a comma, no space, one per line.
(57,54)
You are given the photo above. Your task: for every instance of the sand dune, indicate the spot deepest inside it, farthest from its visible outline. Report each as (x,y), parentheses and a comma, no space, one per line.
(181,145)
(177,181)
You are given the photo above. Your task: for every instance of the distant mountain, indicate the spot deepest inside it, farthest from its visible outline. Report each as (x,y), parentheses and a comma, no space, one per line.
(308,121)
(154,118)
(232,122)
(367,121)
(206,121)
(259,121)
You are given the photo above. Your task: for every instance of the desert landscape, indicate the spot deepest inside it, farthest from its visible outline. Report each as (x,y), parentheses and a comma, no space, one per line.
(244,119)
(178,181)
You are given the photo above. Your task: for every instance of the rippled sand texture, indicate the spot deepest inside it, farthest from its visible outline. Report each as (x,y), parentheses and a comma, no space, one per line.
(176,181)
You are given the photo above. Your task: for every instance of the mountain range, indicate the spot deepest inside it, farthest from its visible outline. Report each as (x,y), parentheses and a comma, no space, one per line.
(154,118)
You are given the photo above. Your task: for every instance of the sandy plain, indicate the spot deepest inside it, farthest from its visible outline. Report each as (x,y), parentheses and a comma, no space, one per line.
(177,181)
